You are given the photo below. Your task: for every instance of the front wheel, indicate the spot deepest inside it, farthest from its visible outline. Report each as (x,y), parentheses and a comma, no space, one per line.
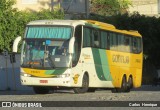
(85,84)
(91,89)
(40,90)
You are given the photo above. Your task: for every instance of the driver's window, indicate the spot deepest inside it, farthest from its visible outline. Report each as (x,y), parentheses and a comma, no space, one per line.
(63,49)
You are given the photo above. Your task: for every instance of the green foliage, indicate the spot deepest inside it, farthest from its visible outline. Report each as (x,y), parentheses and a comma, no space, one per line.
(109,7)
(13,22)
(6,25)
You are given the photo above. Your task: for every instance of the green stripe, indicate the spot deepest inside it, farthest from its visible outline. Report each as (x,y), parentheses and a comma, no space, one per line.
(105,65)
(56,71)
(91,25)
(101,64)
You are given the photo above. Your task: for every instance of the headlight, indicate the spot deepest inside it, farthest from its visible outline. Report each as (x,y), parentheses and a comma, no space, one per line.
(26,75)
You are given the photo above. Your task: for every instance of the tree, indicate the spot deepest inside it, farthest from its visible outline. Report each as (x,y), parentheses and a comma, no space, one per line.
(6,22)
(109,7)
(13,22)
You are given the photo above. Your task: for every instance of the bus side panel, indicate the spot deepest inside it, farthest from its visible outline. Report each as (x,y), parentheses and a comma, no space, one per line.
(128,64)
(136,66)
(83,66)
(137,79)
(119,65)
(92,64)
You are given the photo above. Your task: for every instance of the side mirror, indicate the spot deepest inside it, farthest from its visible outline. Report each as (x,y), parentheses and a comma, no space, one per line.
(15,44)
(71,45)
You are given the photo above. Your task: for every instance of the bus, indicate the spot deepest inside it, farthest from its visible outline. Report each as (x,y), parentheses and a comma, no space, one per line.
(82,55)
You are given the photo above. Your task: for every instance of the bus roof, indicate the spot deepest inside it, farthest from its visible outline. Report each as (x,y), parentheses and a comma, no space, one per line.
(91,23)
(112,28)
(57,22)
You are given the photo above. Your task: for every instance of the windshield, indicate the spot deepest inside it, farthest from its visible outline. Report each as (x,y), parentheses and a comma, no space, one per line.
(46,47)
(45,53)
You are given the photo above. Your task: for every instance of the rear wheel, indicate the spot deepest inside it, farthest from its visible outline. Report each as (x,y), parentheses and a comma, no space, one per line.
(41,90)
(85,84)
(123,87)
(129,84)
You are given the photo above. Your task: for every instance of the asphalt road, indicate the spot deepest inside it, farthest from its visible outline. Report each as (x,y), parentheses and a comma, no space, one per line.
(145,93)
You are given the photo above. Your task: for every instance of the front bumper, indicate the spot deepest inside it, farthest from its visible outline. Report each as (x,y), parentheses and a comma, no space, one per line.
(35,81)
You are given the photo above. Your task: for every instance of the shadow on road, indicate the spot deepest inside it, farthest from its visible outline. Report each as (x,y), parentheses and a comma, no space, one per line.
(147,88)
(27,92)
(31,92)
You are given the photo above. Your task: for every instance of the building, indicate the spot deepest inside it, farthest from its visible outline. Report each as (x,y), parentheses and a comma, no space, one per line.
(69,6)
(146,7)
(36,5)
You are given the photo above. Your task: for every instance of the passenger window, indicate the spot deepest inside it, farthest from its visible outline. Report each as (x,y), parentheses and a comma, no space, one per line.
(113,41)
(136,45)
(120,42)
(95,39)
(104,40)
(127,44)
(87,37)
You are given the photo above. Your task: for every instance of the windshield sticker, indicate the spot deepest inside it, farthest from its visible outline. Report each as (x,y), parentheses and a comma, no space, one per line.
(57,59)
(48,42)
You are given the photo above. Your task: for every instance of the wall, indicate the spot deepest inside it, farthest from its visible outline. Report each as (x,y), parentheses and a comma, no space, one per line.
(37,5)
(33,5)
(10,79)
(70,7)
(146,7)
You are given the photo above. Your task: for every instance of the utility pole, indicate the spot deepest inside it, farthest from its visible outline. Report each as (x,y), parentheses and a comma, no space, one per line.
(55,4)
(6,55)
(87,8)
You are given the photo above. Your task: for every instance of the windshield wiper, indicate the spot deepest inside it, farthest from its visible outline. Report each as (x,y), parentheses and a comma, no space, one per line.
(51,61)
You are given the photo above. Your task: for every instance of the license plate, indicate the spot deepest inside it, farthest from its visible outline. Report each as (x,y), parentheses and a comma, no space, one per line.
(43,81)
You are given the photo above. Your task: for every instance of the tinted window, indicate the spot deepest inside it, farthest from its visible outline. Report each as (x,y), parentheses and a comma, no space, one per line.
(127,44)
(104,40)
(136,45)
(87,37)
(113,41)
(95,38)
(120,42)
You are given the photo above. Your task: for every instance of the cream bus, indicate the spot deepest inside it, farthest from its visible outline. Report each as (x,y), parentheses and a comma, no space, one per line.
(79,54)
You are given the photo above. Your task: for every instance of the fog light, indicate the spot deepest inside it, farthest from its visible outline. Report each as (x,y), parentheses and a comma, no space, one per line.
(63,76)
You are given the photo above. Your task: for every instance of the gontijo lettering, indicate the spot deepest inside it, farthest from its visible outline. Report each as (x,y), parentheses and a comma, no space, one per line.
(120,59)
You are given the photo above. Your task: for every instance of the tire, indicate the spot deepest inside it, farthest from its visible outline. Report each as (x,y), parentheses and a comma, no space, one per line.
(129,84)
(114,90)
(41,90)
(91,90)
(123,87)
(85,84)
